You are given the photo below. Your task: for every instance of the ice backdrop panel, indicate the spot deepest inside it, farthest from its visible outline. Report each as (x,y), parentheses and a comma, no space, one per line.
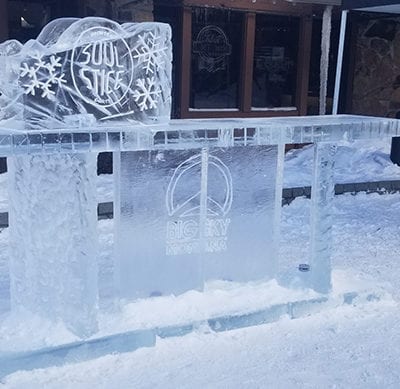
(186,216)
(80,72)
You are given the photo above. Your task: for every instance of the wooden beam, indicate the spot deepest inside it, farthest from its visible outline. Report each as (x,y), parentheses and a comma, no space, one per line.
(303,63)
(351,55)
(3,20)
(271,6)
(246,78)
(186,59)
(200,114)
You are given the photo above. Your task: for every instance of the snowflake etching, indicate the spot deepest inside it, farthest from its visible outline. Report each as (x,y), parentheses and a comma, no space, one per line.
(147,94)
(150,52)
(43,75)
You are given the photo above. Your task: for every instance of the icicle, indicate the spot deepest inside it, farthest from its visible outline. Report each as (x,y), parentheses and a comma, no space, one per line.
(325,46)
(339,63)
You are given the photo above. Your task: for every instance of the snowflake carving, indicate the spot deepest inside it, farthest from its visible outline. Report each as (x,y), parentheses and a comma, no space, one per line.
(42,75)
(150,52)
(147,94)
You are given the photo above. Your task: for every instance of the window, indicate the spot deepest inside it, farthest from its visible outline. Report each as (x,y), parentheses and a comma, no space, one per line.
(275,61)
(216,58)
(244,63)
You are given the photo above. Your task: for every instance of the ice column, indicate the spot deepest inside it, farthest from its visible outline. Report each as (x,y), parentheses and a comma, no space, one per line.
(323,191)
(53,235)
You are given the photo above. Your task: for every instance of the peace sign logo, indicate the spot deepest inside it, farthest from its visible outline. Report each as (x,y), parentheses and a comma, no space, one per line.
(184,190)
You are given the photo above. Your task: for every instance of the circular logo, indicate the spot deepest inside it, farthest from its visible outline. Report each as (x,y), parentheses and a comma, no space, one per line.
(101,67)
(212,44)
(185,190)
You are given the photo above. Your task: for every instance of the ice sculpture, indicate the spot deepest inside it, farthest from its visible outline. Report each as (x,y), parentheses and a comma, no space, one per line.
(194,200)
(79,73)
(85,72)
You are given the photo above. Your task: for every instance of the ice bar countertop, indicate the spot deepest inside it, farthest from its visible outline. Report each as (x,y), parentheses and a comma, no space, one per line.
(179,134)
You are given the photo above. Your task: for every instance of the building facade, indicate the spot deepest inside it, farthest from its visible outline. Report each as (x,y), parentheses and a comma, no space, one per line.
(248,58)
(236,58)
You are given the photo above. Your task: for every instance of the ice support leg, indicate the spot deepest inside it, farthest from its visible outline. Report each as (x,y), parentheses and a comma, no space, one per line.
(323,191)
(278,203)
(53,238)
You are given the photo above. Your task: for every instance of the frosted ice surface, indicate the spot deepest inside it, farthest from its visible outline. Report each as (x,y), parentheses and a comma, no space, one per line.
(85,71)
(53,238)
(184,217)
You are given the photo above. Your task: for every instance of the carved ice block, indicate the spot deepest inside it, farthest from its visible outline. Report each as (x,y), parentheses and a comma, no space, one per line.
(183,217)
(81,72)
(53,238)
(323,193)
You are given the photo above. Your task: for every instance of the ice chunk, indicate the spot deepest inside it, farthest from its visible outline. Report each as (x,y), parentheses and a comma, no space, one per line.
(53,238)
(91,66)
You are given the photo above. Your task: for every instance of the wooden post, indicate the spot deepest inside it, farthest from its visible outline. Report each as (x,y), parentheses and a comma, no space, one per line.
(303,61)
(248,59)
(3,20)
(186,61)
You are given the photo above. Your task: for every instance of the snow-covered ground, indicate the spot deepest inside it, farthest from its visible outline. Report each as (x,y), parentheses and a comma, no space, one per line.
(343,347)
(360,161)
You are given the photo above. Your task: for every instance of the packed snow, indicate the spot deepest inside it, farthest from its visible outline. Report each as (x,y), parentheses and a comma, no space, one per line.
(359,161)
(355,346)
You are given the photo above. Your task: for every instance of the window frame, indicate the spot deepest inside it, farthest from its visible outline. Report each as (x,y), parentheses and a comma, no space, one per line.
(303,12)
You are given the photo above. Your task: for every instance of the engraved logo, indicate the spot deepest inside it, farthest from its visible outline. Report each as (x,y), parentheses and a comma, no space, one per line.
(198,213)
(101,67)
(213,47)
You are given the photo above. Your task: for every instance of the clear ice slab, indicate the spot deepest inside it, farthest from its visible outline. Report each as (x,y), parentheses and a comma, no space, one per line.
(185,217)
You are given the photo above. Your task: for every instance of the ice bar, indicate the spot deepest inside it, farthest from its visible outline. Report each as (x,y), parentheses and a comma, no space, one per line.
(195,200)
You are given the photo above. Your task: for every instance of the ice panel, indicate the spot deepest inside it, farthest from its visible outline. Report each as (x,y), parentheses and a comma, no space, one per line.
(241,233)
(146,226)
(186,216)
(53,238)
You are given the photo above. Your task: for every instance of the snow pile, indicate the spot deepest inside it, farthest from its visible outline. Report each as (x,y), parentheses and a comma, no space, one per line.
(359,161)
